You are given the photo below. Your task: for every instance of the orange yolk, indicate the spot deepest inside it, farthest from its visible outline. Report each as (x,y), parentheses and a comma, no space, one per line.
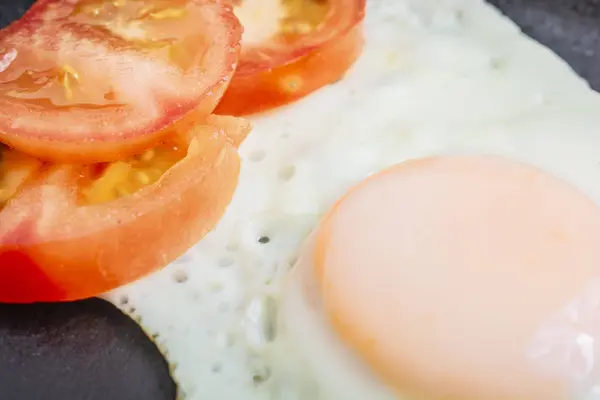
(439,272)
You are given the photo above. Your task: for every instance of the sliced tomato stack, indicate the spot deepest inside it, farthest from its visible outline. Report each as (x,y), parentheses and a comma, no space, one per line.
(112,163)
(290,49)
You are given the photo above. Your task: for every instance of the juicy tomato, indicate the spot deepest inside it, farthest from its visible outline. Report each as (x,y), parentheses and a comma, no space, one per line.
(99,80)
(71,232)
(291,51)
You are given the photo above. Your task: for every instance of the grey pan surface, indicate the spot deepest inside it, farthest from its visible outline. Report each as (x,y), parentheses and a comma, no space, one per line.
(571,28)
(90,351)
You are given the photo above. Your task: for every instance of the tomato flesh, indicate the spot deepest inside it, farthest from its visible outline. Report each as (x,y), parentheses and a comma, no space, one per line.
(70,232)
(314,44)
(100,80)
(106,182)
(15,169)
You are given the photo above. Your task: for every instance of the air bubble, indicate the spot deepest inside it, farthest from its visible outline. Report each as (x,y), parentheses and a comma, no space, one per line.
(124,300)
(292,261)
(257,156)
(261,321)
(287,173)
(260,372)
(264,239)
(497,63)
(291,83)
(225,262)
(180,276)
(260,377)
(270,319)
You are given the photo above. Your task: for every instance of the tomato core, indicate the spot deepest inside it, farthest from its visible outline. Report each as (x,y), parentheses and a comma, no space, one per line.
(303,16)
(109,181)
(15,169)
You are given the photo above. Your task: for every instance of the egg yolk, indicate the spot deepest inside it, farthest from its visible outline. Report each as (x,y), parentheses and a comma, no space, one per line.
(439,272)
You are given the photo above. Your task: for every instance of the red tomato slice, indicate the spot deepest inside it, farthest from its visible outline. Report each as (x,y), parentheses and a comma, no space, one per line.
(315,43)
(100,80)
(71,232)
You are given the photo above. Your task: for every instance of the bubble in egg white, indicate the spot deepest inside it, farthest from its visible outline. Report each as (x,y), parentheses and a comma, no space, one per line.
(123,300)
(435,77)
(225,262)
(257,156)
(287,172)
(180,276)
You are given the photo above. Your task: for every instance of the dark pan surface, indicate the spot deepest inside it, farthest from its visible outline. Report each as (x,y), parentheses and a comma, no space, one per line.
(79,351)
(91,351)
(569,27)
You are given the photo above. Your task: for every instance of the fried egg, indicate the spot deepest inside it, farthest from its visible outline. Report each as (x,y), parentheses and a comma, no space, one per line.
(254,312)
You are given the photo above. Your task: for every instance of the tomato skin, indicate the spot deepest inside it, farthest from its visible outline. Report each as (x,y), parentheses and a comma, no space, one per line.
(23,279)
(72,252)
(152,93)
(254,93)
(278,74)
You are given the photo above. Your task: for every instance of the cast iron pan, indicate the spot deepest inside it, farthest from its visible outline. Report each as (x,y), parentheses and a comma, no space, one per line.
(90,351)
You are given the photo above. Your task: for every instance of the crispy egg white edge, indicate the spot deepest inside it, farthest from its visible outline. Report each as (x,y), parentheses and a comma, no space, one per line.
(436,76)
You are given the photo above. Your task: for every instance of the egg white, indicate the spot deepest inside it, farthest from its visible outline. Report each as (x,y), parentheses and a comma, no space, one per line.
(436,76)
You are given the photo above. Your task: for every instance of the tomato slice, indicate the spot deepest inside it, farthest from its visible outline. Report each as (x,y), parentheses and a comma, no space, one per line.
(70,232)
(99,80)
(291,51)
